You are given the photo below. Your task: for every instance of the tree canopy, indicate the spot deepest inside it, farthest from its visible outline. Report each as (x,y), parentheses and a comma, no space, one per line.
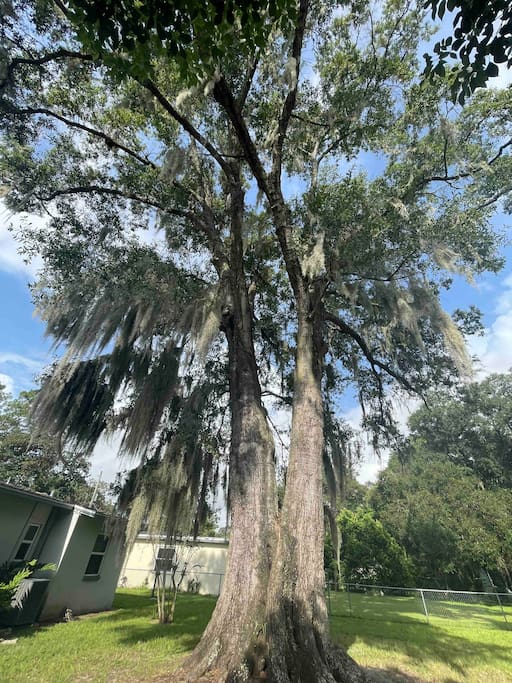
(481,41)
(450,527)
(471,427)
(178,267)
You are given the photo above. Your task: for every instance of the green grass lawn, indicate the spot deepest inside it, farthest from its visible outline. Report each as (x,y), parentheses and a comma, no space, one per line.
(126,646)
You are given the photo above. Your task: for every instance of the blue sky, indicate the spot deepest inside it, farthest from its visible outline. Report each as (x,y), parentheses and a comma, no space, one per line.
(24,350)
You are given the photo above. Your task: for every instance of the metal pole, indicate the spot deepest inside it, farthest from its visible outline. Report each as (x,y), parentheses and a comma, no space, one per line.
(424,605)
(497,596)
(329,608)
(93,497)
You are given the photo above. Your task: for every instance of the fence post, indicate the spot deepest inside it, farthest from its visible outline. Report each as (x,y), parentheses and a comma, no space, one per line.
(349,600)
(424,605)
(329,606)
(497,596)
(220,584)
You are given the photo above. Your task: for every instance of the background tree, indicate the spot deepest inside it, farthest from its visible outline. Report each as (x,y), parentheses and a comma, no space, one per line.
(450,526)
(471,426)
(369,553)
(38,460)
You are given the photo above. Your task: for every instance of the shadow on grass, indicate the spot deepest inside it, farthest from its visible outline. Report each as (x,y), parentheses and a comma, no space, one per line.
(191,618)
(420,642)
(391,675)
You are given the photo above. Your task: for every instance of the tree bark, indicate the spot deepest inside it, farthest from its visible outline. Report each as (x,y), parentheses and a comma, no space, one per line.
(299,643)
(233,646)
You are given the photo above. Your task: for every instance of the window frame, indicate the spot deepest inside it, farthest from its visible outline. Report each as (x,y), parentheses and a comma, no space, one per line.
(95,554)
(29,542)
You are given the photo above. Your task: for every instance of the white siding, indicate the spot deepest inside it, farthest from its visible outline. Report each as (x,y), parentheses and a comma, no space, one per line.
(210,554)
(68,588)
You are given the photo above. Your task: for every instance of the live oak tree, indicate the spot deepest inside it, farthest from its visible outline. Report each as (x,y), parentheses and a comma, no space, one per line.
(339,284)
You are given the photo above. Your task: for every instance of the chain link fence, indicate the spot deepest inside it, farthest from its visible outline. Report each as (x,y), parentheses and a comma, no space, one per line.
(493,610)
(195,581)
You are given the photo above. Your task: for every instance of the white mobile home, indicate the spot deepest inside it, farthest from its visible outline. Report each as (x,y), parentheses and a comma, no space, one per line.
(205,556)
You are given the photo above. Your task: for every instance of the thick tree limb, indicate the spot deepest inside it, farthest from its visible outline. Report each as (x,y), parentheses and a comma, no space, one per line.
(186,125)
(291,97)
(205,226)
(224,97)
(361,342)
(39,61)
(109,141)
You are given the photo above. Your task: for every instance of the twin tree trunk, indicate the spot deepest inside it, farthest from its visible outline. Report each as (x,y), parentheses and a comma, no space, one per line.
(270,621)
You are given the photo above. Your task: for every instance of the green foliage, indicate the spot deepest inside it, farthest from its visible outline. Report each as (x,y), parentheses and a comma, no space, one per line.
(35,459)
(480,42)
(140,173)
(471,426)
(11,582)
(132,36)
(450,526)
(369,554)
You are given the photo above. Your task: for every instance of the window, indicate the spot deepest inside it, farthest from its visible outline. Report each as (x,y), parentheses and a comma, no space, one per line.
(27,541)
(96,558)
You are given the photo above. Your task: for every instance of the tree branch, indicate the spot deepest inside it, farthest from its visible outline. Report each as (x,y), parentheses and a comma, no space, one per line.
(291,97)
(361,342)
(207,226)
(248,81)
(186,125)
(100,189)
(224,97)
(39,61)
(463,174)
(109,141)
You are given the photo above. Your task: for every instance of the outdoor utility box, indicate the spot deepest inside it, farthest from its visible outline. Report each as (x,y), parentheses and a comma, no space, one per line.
(35,591)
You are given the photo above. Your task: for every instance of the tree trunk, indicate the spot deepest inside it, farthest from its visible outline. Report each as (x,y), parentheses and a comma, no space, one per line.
(300,648)
(233,645)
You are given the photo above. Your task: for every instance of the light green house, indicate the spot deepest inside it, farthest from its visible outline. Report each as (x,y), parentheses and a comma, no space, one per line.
(77,540)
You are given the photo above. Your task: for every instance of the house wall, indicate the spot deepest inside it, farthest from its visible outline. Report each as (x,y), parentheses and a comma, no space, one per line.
(54,541)
(210,554)
(69,588)
(16,513)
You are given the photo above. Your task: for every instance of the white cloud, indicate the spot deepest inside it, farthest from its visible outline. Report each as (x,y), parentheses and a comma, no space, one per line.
(105,460)
(494,348)
(20,370)
(8,382)
(10,258)
(372,463)
(18,359)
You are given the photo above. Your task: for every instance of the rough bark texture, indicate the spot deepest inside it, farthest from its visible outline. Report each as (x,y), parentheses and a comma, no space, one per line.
(299,644)
(233,646)
(271,620)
